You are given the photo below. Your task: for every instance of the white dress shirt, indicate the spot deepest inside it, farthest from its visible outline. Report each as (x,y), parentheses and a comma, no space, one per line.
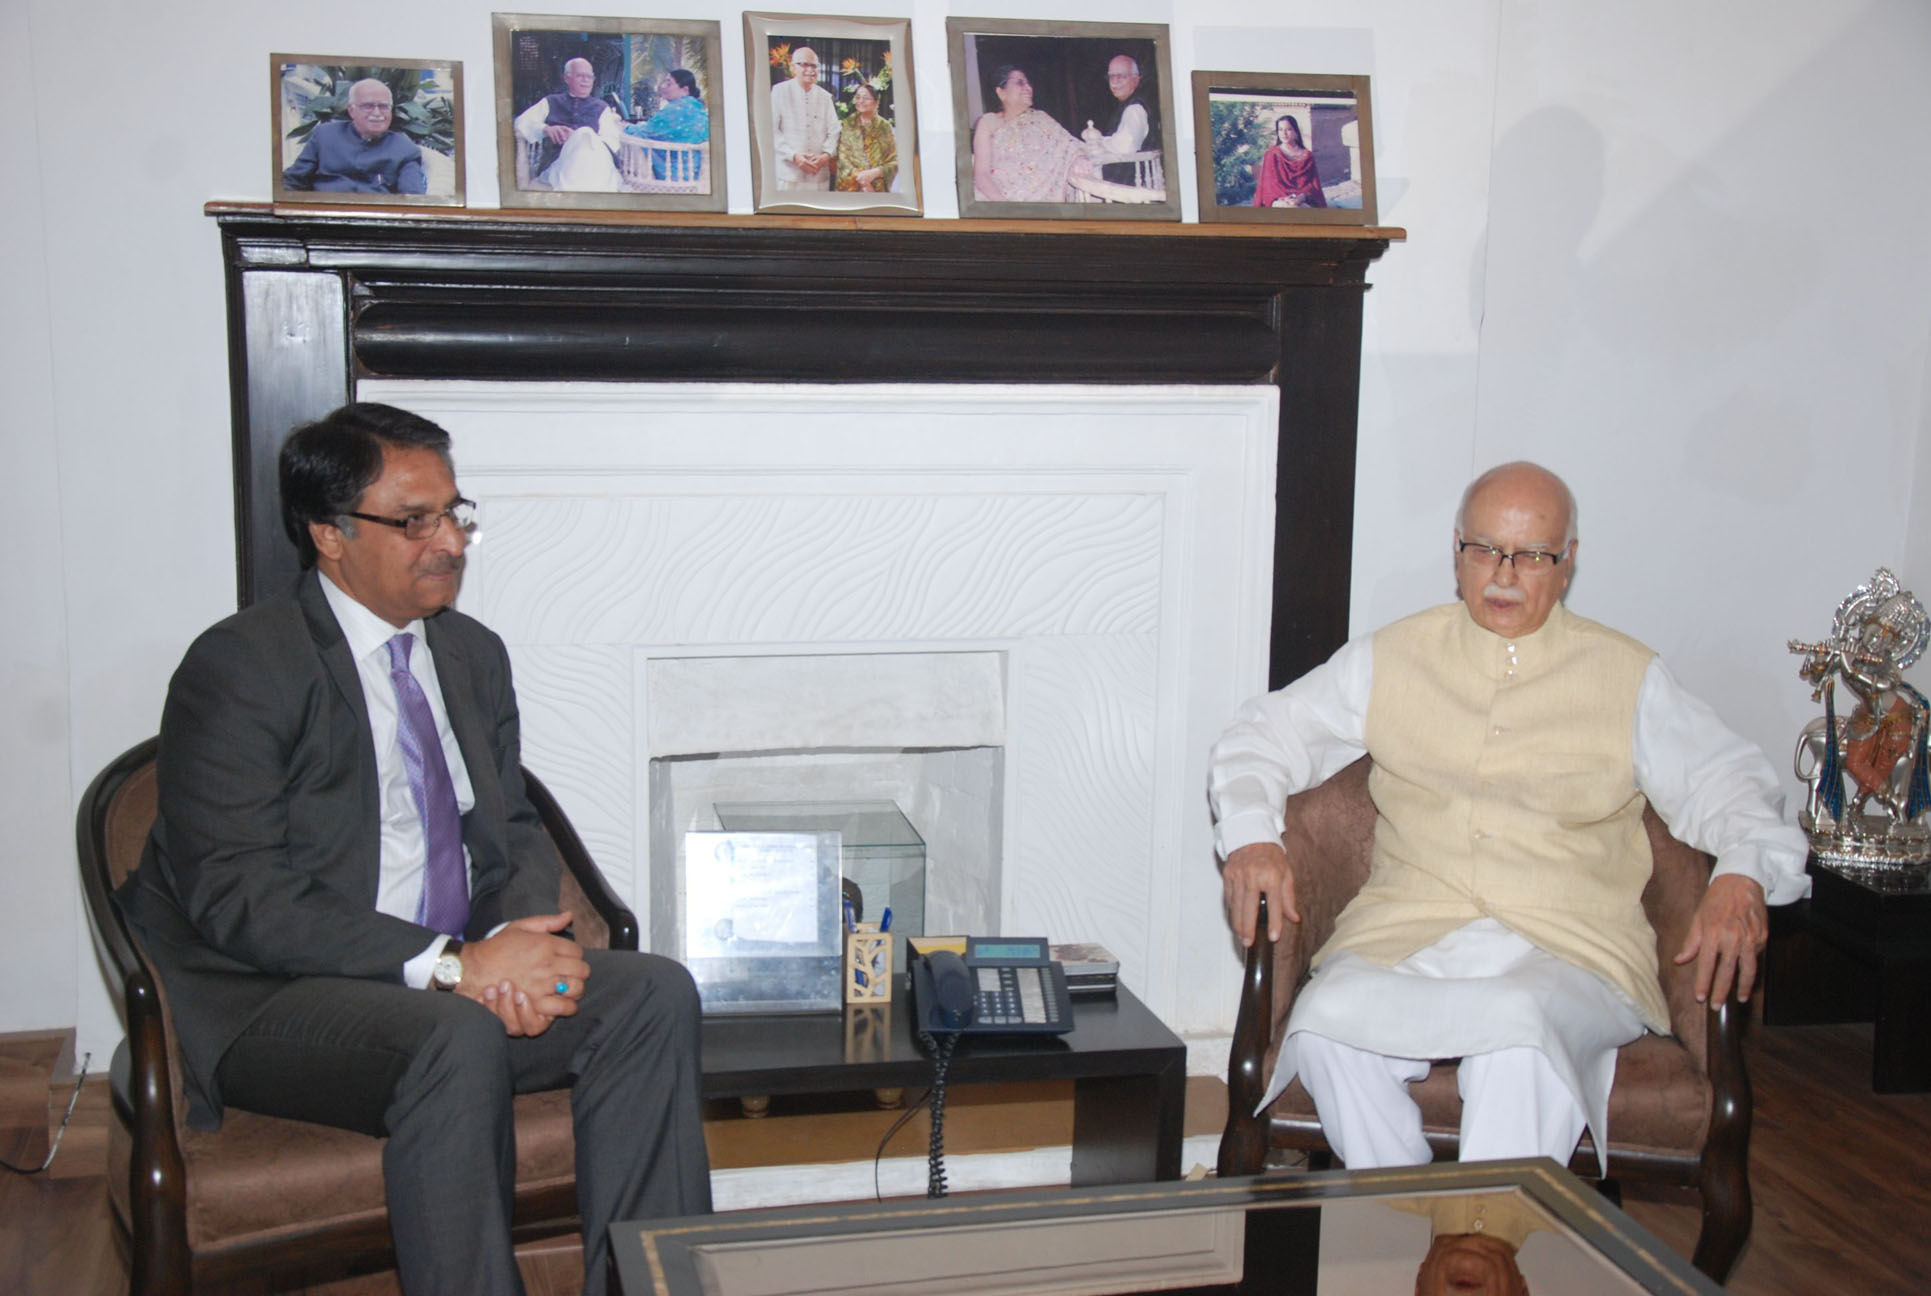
(405,850)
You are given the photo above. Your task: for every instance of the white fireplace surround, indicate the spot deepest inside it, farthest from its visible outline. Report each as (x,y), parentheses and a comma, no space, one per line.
(1111,545)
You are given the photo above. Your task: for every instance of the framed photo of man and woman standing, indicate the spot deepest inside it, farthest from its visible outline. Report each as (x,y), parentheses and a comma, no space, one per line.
(608,112)
(834,123)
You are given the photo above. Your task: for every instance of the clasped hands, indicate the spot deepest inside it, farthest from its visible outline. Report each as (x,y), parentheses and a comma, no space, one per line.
(515,973)
(1727,932)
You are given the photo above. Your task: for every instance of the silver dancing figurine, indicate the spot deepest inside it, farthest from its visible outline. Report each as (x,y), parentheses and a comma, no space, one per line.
(1866,809)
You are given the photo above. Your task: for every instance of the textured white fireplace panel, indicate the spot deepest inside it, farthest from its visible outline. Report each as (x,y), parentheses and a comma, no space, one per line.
(578,719)
(1111,546)
(648,563)
(1079,757)
(753,704)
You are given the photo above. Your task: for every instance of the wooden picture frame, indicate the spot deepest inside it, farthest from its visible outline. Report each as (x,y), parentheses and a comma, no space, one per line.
(330,143)
(1245,124)
(1101,162)
(813,148)
(658,144)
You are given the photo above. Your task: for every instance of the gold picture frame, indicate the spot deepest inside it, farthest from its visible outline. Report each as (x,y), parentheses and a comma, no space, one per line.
(1284,148)
(657,144)
(324,148)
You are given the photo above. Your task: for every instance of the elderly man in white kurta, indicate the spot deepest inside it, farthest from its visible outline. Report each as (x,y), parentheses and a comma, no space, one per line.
(582,136)
(804,126)
(1515,745)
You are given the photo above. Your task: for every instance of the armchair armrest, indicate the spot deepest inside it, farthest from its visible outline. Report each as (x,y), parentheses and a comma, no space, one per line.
(1724,1177)
(1329,838)
(615,915)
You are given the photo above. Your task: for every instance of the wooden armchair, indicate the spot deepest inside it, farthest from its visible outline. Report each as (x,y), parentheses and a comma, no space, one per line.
(261,1193)
(1679,1109)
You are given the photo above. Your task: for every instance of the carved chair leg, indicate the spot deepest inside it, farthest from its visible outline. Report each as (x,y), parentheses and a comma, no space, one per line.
(1243,1144)
(1725,1176)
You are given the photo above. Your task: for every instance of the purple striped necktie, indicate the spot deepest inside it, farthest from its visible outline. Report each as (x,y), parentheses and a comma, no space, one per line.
(444,905)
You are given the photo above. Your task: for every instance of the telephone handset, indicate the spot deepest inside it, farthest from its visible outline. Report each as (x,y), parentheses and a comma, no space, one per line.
(1003,985)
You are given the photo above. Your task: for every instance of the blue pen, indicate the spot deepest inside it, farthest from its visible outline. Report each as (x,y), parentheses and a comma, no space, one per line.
(885,919)
(851,920)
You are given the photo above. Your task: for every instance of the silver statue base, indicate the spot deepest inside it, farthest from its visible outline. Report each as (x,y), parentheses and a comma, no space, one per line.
(1872,848)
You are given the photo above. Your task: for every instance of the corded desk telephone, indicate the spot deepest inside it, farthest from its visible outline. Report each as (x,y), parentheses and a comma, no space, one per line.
(1004,985)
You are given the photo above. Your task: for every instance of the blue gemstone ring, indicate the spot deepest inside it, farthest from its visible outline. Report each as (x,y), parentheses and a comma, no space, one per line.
(563,987)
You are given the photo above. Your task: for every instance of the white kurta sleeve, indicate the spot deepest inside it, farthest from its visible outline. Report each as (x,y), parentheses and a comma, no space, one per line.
(828,132)
(1130,134)
(1714,788)
(787,141)
(531,121)
(1286,742)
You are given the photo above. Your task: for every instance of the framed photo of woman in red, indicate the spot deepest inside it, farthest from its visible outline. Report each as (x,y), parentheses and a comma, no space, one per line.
(1282,147)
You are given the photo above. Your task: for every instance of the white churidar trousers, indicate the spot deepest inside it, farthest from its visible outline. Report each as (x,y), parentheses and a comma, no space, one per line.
(1538,1039)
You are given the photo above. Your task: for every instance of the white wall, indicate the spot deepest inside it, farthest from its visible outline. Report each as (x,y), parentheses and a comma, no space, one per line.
(1675,250)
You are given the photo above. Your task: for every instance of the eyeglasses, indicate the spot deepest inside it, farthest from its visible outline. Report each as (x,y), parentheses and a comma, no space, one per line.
(420,526)
(1523,560)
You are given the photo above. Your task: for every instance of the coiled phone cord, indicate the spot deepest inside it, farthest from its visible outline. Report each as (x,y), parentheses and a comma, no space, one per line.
(941,1051)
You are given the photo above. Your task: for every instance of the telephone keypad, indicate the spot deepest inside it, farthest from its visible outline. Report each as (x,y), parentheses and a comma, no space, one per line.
(1014,996)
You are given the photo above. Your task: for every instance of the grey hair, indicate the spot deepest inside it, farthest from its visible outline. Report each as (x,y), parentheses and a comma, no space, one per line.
(1129,58)
(1562,488)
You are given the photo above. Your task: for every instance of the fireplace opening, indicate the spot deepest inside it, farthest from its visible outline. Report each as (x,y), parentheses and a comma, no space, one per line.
(900,757)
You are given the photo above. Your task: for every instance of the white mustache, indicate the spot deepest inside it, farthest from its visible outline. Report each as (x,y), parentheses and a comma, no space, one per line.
(1502,594)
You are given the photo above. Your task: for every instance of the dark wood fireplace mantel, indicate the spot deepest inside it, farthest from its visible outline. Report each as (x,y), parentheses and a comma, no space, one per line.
(319,298)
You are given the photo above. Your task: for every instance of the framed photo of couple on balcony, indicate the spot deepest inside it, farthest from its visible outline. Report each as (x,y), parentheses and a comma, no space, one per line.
(1284,147)
(834,122)
(608,113)
(1063,119)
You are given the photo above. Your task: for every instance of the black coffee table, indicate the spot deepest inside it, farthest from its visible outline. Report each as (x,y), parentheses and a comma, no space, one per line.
(1858,951)
(1129,1072)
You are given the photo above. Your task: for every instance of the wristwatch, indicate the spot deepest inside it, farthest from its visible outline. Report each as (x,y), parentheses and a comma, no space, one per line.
(448,972)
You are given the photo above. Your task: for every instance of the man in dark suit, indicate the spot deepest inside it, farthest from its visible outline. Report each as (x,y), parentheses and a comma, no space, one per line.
(349,896)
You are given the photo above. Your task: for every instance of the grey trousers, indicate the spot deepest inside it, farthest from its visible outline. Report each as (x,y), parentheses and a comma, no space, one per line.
(436,1072)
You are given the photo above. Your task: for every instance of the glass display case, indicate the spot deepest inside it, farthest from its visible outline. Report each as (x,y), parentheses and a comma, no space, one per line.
(878,849)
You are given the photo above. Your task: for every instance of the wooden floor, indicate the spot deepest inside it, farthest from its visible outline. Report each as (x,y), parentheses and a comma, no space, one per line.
(1842,1177)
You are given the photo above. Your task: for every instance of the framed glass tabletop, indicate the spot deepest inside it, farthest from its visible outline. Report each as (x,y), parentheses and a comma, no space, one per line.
(1504,1227)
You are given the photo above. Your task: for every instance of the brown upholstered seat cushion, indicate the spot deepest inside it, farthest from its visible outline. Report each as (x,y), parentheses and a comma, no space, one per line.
(258,1176)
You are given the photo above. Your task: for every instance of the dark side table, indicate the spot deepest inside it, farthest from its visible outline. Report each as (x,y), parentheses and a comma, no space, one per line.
(1858,951)
(1129,1072)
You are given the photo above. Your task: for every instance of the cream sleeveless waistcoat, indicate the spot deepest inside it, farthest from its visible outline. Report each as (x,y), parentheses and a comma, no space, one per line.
(1505,787)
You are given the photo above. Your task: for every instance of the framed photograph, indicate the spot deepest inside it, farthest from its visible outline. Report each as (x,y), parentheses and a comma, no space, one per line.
(1062,119)
(366,130)
(834,125)
(1277,146)
(608,112)
(760,925)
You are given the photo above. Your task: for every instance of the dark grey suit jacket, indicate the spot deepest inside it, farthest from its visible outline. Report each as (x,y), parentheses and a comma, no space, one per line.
(265,855)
